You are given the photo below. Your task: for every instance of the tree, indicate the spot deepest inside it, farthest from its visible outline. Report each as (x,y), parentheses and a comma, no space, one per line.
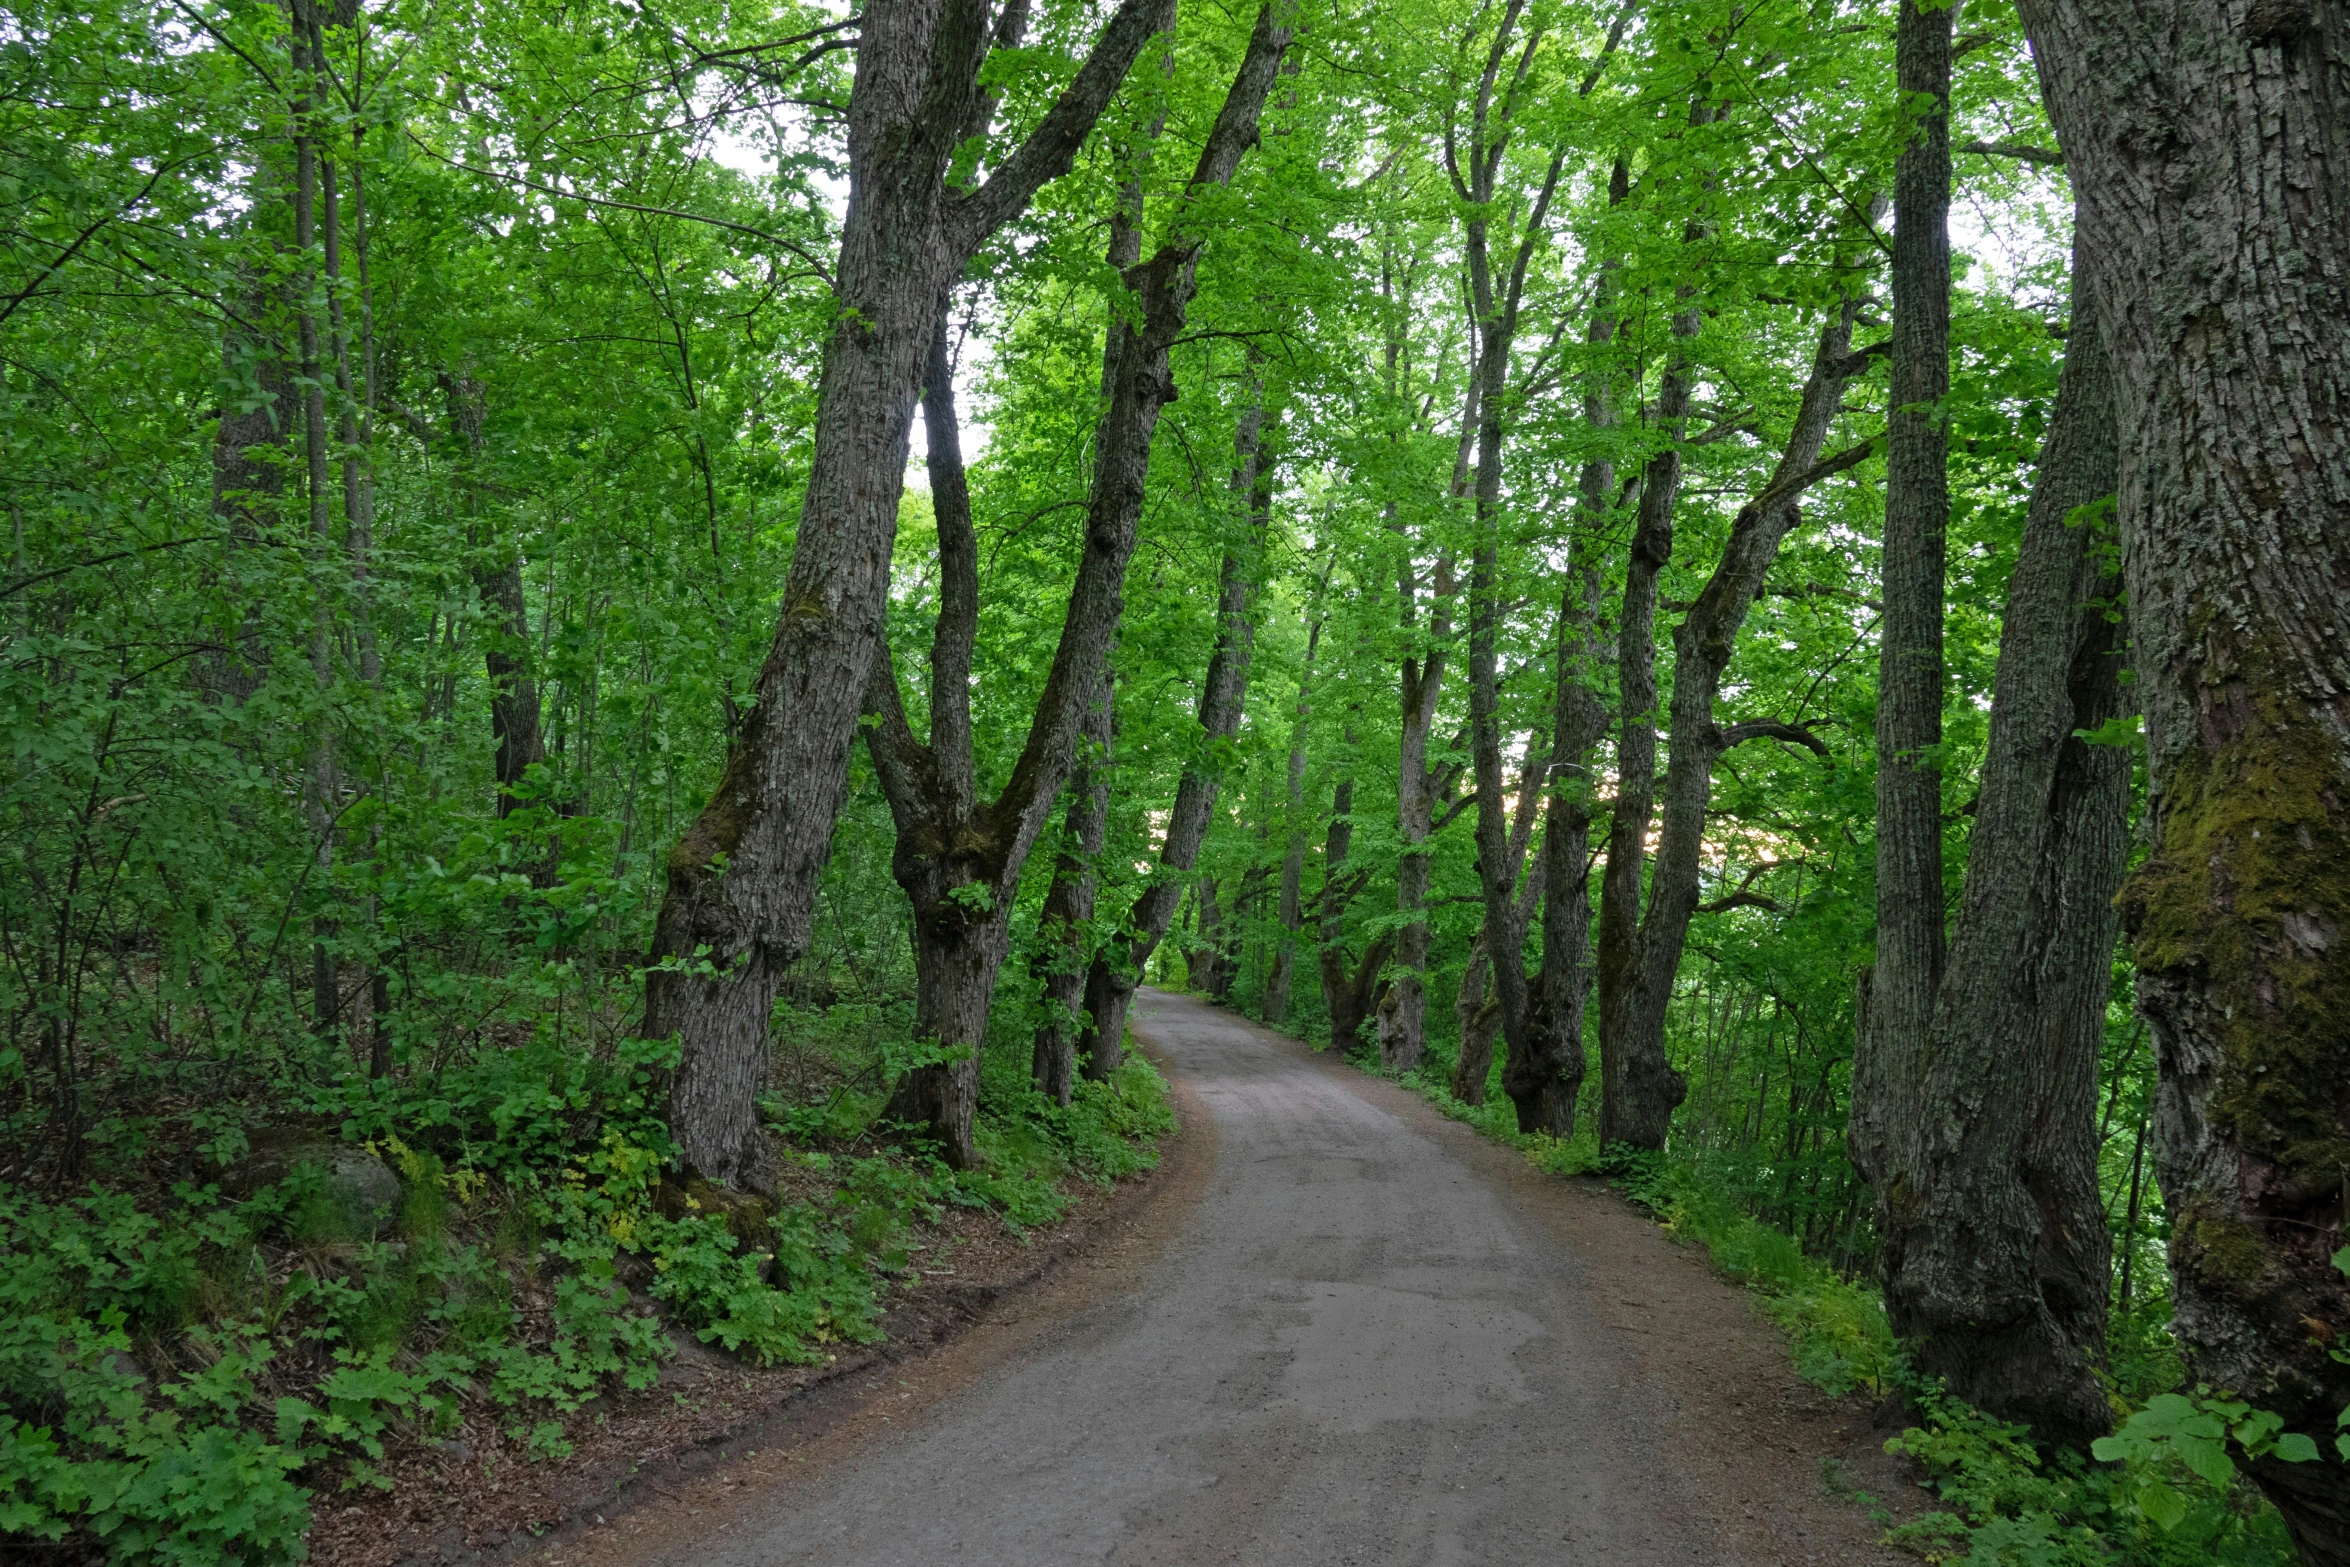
(1997,1257)
(743,879)
(2206,145)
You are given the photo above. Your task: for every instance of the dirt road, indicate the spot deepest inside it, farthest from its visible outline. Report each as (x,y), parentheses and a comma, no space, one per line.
(1360,1334)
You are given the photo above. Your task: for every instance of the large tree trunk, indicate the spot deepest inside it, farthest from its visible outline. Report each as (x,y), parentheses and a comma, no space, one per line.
(1908,969)
(958,861)
(742,880)
(2210,152)
(1997,1257)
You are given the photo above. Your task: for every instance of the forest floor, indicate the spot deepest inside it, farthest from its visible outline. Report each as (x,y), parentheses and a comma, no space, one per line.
(1340,1329)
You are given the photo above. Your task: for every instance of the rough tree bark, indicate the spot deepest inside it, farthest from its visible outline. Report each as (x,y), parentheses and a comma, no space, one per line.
(1476,1011)
(1637,1093)
(742,879)
(1996,1254)
(960,859)
(2210,152)
(1545,1078)
(1910,947)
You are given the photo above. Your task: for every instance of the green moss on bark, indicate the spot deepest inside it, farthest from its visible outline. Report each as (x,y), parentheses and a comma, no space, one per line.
(2247,901)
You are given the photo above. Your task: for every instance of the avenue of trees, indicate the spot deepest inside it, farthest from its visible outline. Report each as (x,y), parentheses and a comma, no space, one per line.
(1766,583)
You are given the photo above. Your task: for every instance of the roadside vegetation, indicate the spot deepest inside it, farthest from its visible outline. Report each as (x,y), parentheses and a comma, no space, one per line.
(628,627)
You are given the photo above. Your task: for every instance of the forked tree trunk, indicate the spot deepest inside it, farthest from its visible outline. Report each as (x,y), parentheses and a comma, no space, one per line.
(960,861)
(1997,1256)
(1908,971)
(1637,1093)
(1703,642)
(2210,152)
(742,879)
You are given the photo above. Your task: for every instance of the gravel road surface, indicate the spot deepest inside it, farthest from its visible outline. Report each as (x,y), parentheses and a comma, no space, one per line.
(1363,1335)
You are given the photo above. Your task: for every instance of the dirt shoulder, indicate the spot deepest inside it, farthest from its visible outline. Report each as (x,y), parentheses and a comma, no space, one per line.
(459,1503)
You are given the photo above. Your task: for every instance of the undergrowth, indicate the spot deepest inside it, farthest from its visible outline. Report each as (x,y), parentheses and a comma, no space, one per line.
(182,1366)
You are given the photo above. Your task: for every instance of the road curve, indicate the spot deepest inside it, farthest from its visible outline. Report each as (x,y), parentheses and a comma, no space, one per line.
(1373,1338)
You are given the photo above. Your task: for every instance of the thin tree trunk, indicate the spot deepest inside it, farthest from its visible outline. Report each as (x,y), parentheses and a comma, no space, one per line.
(515,716)
(742,880)
(1910,946)
(1063,942)
(323,782)
(1402,1012)
(1275,1008)
(2210,153)
(1348,988)
(1117,966)
(1997,1258)
(247,480)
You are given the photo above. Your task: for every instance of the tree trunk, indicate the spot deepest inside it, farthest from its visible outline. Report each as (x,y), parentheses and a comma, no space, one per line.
(247,481)
(742,880)
(1063,941)
(1702,646)
(1476,1020)
(1348,993)
(1910,948)
(2210,152)
(1402,1012)
(958,861)
(1275,1007)
(323,784)
(1997,1257)
(1117,966)
(514,693)
(1545,1078)
(1637,1092)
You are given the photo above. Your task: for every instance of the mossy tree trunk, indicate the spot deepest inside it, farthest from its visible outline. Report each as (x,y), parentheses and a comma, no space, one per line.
(2209,144)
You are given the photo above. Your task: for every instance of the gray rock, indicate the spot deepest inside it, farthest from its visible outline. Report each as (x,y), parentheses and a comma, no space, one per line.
(366,1188)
